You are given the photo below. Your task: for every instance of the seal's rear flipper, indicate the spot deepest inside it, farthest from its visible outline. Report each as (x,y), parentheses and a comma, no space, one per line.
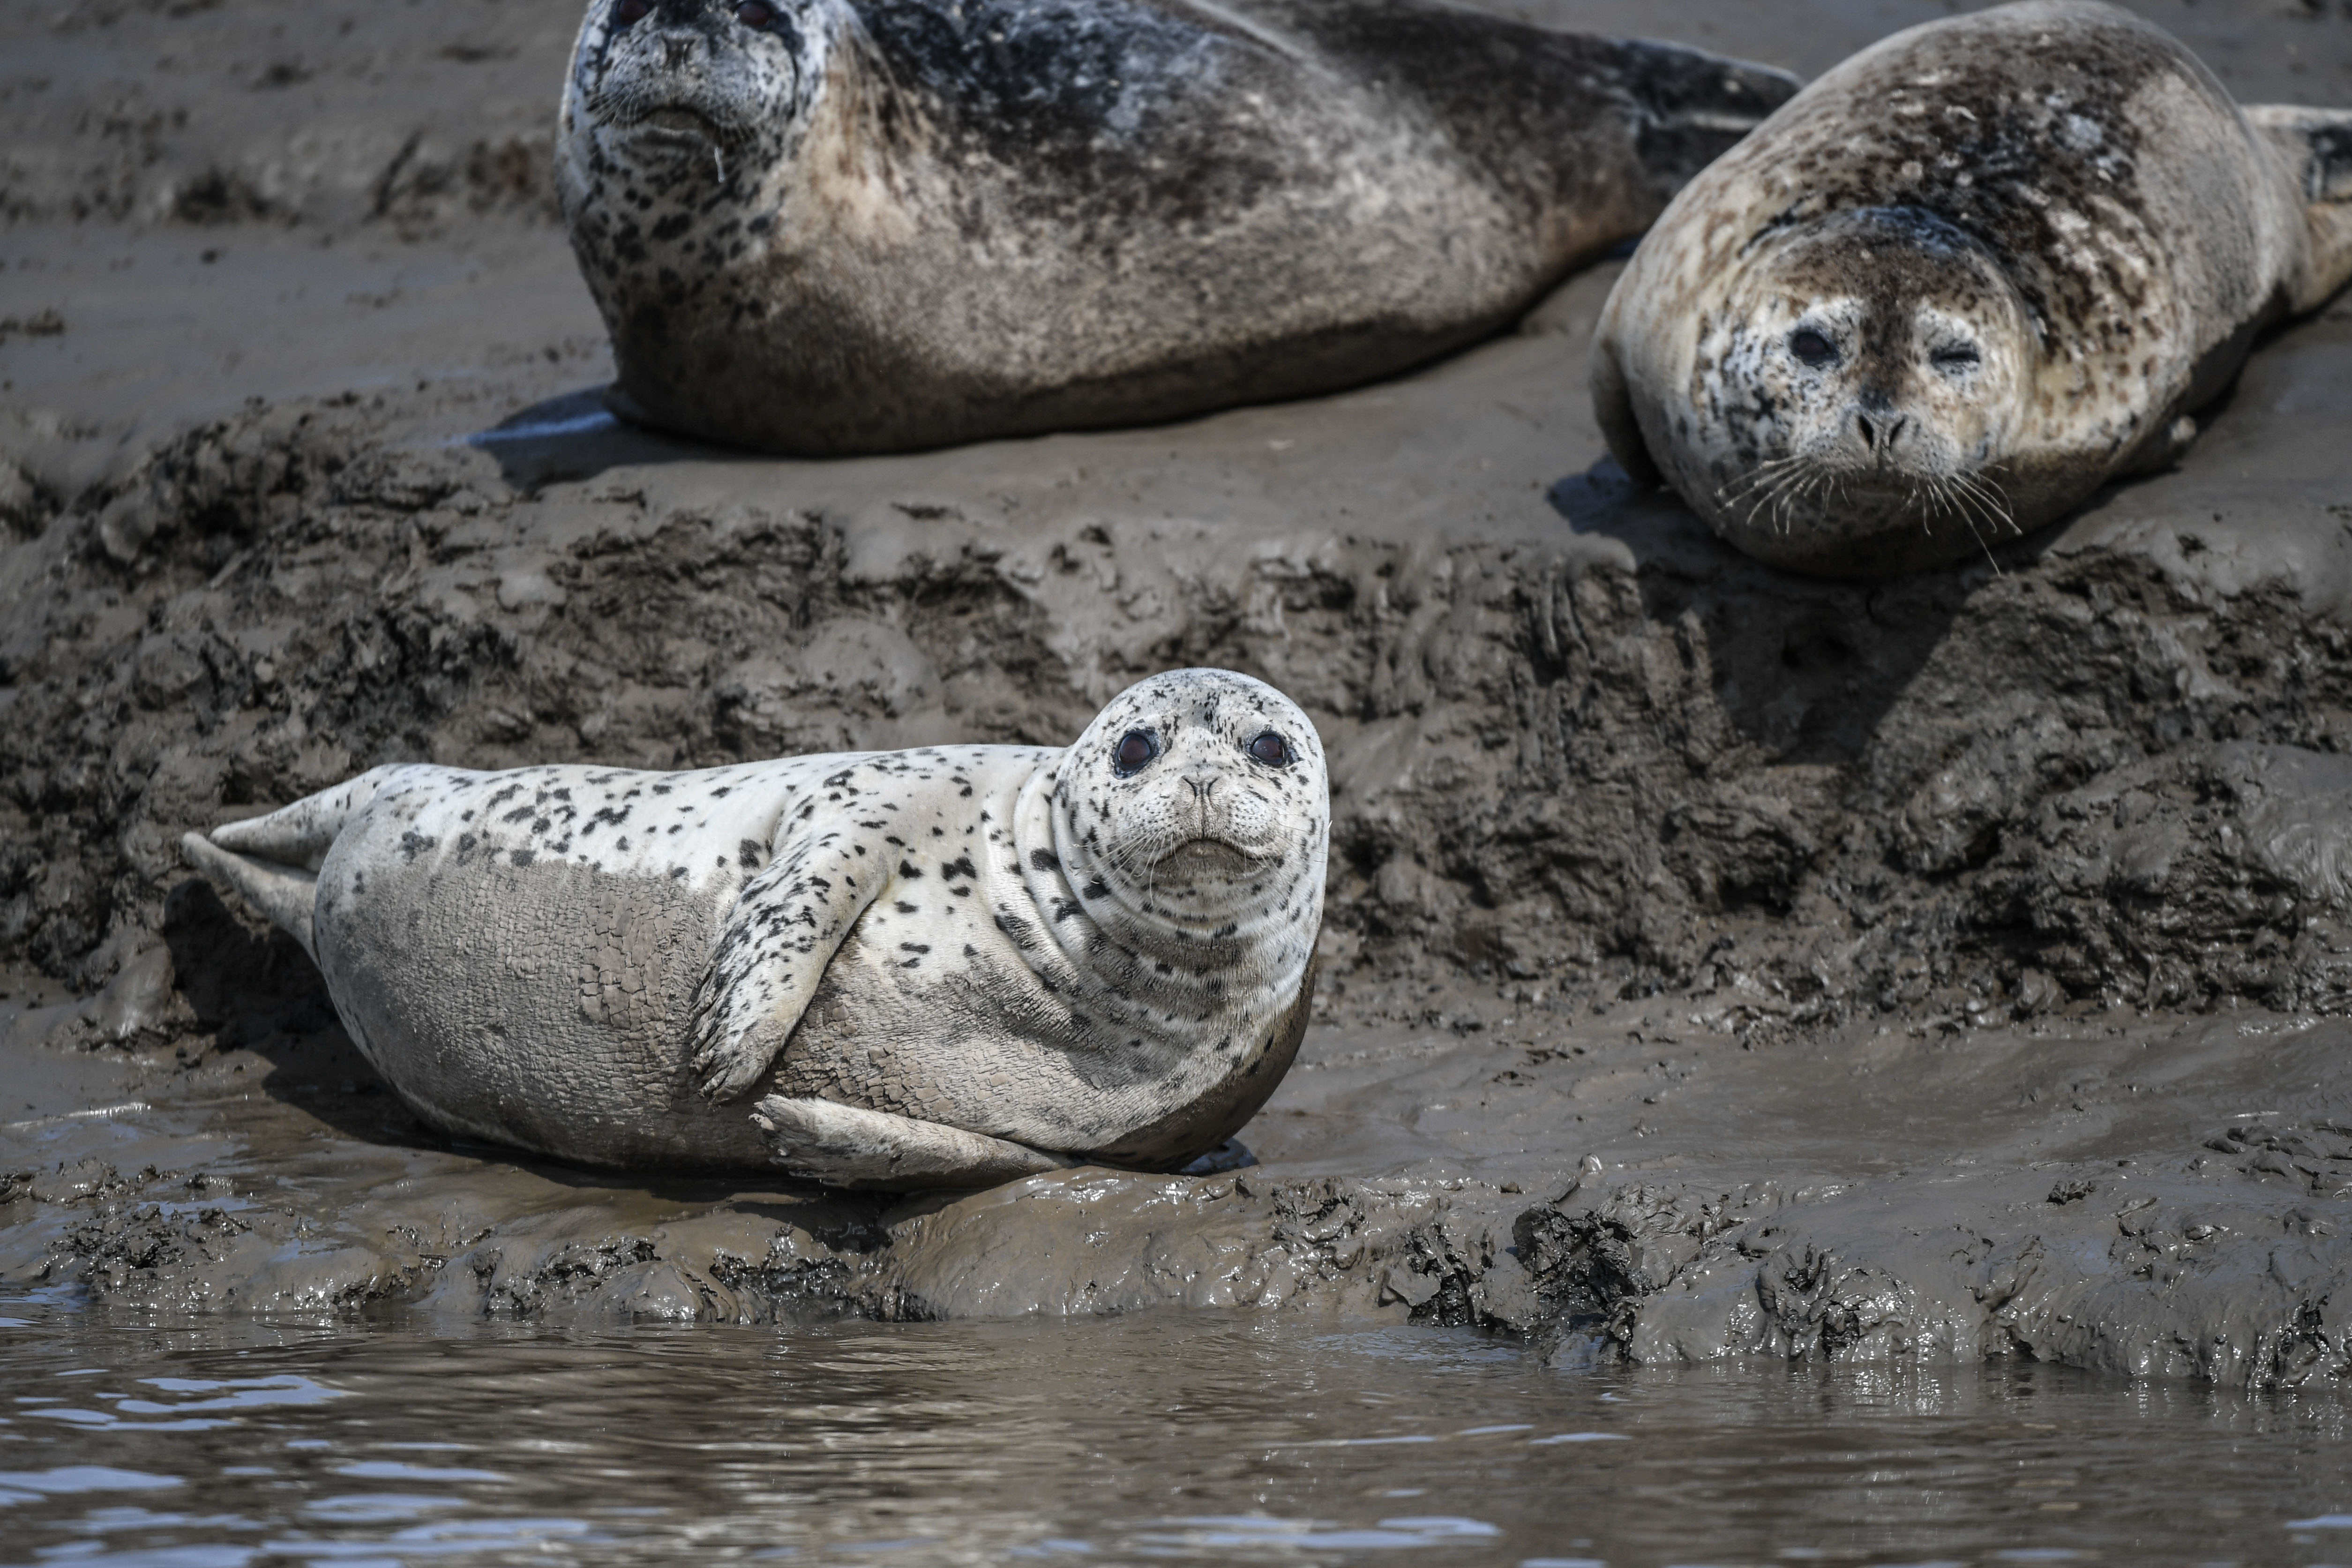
(2317,146)
(300,833)
(844,1146)
(272,861)
(1692,106)
(282,895)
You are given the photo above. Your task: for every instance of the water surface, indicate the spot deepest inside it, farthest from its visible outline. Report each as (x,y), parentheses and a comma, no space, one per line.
(1161,1437)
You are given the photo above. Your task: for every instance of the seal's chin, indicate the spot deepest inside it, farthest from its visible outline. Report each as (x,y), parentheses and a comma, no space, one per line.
(1207,858)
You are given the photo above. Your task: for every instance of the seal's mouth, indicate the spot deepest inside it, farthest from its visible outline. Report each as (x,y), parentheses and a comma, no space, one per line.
(1208,856)
(673,124)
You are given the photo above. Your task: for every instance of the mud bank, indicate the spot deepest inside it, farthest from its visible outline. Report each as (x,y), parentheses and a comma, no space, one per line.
(2144,1196)
(1850,931)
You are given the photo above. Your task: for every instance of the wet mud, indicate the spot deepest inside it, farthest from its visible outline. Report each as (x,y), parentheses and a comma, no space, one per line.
(1718,963)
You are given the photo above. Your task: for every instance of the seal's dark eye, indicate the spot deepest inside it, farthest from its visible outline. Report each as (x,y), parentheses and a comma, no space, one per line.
(1136,748)
(1955,356)
(754,14)
(1813,348)
(1272,749)
(629,13)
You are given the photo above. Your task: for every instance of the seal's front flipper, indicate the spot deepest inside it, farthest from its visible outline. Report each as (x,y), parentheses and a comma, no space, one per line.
(844,1146)
(1613,405)
(282,895)
(784,930)
(2317,144)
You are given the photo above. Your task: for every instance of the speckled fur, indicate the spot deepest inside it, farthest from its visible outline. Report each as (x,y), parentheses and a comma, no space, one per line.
(1010,941)
(889,223)
(2038,239)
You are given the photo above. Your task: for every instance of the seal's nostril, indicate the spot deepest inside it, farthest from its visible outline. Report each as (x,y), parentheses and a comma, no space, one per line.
(1869,432)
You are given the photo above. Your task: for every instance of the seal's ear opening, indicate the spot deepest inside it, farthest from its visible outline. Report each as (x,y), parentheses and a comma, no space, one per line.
(1613,405)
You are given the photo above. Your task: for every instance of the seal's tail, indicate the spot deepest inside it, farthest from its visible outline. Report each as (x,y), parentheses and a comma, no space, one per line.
(2317,144)
(272,862)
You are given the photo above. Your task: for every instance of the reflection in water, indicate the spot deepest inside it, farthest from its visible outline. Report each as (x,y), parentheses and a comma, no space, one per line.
(138,1443)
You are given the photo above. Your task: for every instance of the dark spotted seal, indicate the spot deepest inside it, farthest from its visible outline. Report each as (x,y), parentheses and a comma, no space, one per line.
(853,225)
(1961,282)
(939,967)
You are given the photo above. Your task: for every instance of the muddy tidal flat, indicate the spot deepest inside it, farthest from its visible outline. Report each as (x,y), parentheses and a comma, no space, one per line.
(1773,1032)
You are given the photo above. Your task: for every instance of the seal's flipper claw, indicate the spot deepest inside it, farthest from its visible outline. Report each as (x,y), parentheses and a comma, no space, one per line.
(844,1146)
(724,1067)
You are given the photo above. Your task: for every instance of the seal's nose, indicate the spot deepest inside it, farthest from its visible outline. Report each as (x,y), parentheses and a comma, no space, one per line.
(1199,784)
(1879,432)
(677,48)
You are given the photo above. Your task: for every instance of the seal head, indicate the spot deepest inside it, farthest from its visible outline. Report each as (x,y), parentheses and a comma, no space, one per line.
(1194,820)
(1959,283)
(1863,375)
(677,89)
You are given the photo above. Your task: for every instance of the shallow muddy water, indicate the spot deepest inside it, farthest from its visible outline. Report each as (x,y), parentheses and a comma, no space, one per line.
(1163,1436)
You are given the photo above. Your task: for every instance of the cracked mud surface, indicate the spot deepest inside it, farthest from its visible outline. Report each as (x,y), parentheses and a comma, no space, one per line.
(1939,968)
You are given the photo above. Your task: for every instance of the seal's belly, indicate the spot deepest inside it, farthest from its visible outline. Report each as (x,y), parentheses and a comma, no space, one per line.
(519,994)
(543,1006)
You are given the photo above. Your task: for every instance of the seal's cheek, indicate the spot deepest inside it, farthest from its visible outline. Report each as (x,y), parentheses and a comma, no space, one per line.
(1251,818)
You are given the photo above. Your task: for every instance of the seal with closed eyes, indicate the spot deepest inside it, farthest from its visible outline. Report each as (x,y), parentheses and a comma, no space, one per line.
(1962,281)
(940,967)
(824,226)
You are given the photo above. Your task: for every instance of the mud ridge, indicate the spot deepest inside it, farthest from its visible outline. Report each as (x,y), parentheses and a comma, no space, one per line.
(1623,776)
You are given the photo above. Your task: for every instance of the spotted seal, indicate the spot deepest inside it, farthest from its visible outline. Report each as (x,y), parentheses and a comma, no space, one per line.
(1961,282)
(936,967)
(824,226)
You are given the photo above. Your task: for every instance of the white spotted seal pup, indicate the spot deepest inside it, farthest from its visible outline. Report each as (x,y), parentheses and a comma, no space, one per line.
(1962,281)
(942,967)
(825,227)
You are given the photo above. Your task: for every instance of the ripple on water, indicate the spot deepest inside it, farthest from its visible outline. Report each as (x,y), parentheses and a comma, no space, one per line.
(206,1556)
(447,1538)
(376,1508)
(1256,1531)
(228,1395)
(23,1486)
(393,1470)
